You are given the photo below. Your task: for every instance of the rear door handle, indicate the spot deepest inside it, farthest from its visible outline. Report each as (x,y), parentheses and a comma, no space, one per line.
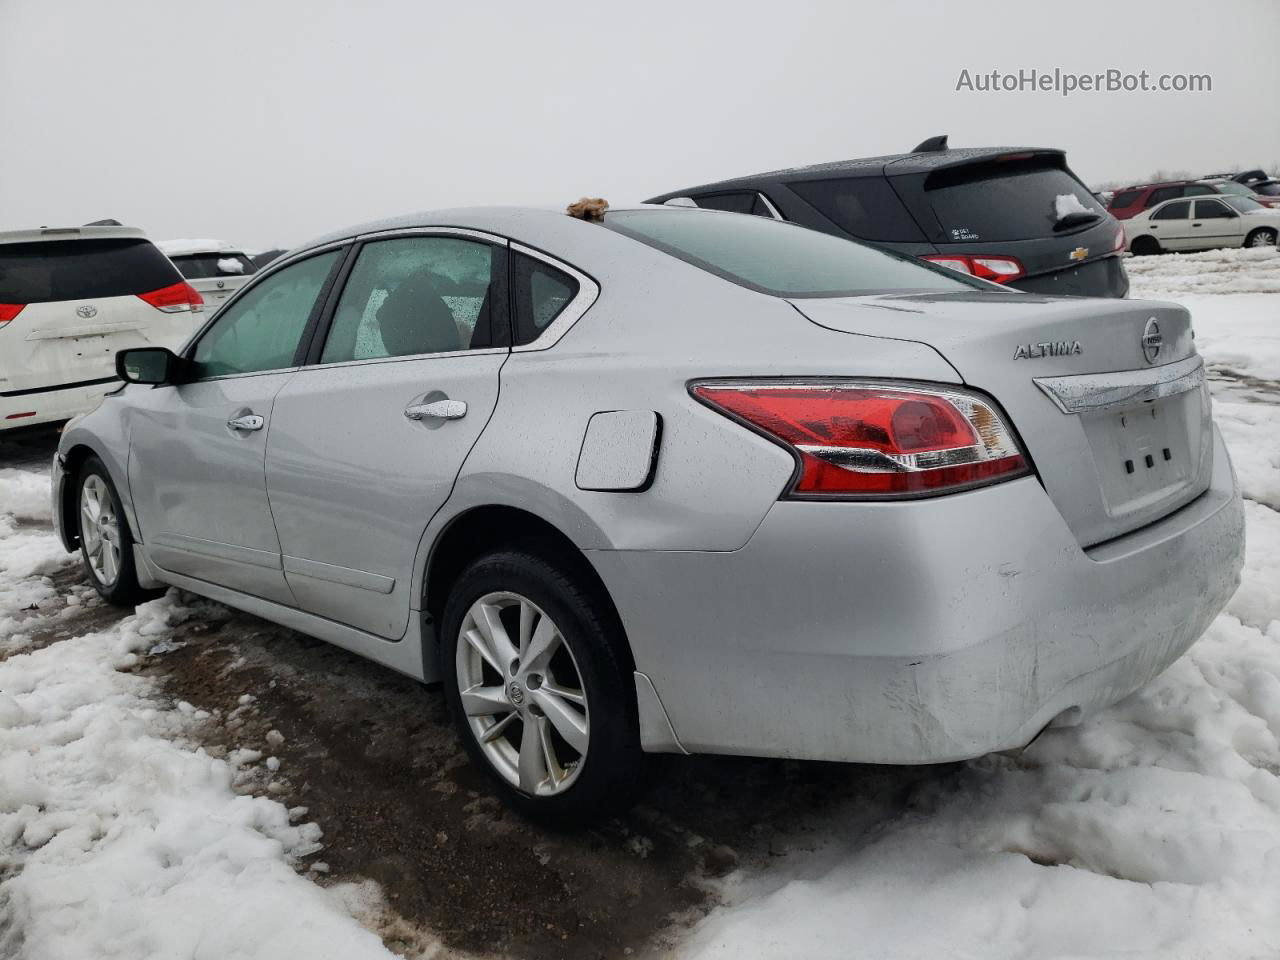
(248,422)
(437,410)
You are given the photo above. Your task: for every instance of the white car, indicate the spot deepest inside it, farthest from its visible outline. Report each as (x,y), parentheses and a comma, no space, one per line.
(1202,223)
(70,298)
(215,269)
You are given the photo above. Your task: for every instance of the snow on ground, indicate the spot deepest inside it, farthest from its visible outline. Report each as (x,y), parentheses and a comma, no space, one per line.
(116,839)
(1151,830)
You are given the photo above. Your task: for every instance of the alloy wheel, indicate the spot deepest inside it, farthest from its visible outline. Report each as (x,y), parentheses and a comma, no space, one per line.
(523,694)
(100,529)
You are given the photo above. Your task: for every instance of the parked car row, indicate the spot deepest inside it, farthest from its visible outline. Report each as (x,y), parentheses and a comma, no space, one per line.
(670,480)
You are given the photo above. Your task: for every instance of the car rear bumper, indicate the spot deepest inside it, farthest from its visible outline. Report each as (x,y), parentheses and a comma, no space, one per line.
(917,632)
(1104,277)
(27,408)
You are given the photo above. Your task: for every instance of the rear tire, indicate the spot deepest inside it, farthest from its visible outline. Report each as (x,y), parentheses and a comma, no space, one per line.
(1144,246)
(1262,237)
(106,543)
(538,679)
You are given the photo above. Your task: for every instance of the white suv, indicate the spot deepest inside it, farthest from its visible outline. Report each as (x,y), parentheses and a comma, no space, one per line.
(215,269)
(69,299)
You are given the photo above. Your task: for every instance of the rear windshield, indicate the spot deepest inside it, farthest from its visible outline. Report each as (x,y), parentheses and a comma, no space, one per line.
(1006,200)
(81,269)
(1269,189)
(779,258)
(202,266)
(865,207)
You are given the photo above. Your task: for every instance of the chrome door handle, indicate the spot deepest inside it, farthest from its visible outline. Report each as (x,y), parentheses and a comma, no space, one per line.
(437,410)
(250,422)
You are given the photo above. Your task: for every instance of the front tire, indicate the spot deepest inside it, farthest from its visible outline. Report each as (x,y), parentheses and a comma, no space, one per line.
(1262,237)
(106,544)
(537,677)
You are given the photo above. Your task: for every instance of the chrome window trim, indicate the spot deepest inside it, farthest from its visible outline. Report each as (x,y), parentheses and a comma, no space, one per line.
(588,293)
(443,354)
(1088,392)
(769,203)
(434,230)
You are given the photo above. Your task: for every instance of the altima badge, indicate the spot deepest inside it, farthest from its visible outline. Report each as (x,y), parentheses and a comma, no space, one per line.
(1079,253)
(1058,348)
(86,312)
(1152,341)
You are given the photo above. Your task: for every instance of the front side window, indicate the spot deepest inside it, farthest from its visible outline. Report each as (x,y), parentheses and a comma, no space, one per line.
(414,295)
(541,294)
(1174,211)
(782,259)
(1161,194)
(1198,190)
(1211,210)
(1125,198)
(261,330)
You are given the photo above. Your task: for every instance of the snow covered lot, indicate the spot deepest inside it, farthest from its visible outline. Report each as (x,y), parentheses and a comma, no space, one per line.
(136,824)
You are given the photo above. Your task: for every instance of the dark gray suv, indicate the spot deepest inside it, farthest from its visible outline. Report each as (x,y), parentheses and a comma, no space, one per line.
(1014,215)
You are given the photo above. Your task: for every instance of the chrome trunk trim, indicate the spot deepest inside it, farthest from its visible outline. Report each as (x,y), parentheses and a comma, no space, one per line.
(1099,391)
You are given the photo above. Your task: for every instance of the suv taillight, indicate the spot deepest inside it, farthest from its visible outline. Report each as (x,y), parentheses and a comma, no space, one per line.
(994,268)
(176,298)
(855,438)
(1120,240)
(8,311)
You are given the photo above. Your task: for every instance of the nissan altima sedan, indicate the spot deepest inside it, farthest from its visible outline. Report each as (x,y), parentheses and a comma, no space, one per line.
(680,481)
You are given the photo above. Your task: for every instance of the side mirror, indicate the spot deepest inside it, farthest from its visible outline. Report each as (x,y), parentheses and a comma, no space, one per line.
(154,365)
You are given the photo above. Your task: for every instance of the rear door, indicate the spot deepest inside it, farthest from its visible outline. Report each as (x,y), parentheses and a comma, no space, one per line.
(78,302)
(366,443)
(198,449)
(1171,225)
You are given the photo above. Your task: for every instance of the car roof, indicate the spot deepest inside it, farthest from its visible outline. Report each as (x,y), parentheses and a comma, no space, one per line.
(1152,186)
(893,164)
(71,233)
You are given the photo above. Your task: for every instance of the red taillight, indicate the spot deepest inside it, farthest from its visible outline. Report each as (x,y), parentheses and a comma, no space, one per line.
(1120,240)
(177,298)
(858,438)
(8,311)
(994,268)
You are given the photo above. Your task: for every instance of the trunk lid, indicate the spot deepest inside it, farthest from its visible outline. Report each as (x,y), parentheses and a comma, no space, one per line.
(1118,427)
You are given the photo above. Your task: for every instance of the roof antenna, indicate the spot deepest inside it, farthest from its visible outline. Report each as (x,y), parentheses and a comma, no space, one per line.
(932,145)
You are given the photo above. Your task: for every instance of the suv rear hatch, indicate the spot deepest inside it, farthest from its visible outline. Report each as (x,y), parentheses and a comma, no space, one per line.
(216,275)
(77,301)
(1008,205)
(1108,397)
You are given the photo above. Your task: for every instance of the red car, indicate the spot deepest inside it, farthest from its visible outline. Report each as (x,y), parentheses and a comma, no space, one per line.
(1131,201)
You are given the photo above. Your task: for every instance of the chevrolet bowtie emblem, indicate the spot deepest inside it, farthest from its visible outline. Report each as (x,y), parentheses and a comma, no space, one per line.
(1079,253)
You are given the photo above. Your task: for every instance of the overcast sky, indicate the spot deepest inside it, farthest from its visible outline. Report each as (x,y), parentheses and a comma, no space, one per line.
(265,122)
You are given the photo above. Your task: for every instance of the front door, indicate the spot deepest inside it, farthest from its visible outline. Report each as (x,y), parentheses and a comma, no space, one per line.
(198,449)
(367,442)
(1217,223)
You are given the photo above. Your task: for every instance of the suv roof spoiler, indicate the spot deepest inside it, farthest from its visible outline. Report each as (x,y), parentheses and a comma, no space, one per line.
(88,232)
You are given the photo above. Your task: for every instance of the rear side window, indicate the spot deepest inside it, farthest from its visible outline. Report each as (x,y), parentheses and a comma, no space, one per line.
(1174,211)
(1161,194)
(44,272)
(1005,200)
(782,259)
(204,266)
(1125,198)
(409,296)
(866,207)
(729,202)
(541,294)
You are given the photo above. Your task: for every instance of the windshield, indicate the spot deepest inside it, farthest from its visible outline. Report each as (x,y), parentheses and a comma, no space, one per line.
(782,259)
(1244,204)
(1236,189)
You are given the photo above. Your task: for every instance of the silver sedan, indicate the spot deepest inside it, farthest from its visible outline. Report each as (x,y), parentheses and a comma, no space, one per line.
(677,481)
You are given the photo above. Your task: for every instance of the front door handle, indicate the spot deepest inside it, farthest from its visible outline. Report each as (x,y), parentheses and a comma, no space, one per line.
(437,410)
(248,422)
